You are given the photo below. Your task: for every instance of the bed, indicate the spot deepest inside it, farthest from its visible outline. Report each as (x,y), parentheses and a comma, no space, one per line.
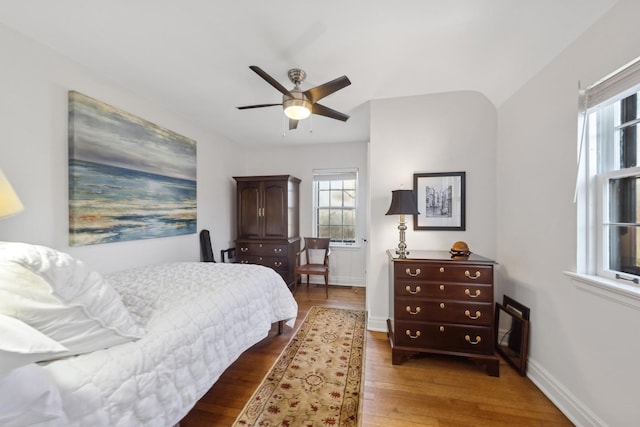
(132,348)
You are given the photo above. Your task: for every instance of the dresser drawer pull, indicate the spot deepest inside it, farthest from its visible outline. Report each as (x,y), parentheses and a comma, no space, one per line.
(469,276)
(467,292)
(408,289)
(277,263)
(408,271)
(467,338)
(441,305)
(413,337)
(418,310)
(277,250)
(244,249)
(441,328)
(442,287)
(468,314)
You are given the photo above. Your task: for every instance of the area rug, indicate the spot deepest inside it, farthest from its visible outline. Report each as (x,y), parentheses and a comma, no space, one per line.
(318,378)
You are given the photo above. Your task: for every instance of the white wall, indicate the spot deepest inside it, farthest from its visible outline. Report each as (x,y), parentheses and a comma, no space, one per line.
(584,349)
(346,265)
(34,82)
(447,132)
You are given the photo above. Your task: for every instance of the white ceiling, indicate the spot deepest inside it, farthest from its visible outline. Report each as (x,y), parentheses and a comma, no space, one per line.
(193,56)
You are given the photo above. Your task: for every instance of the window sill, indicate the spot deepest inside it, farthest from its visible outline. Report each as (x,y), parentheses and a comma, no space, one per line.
(628,295)
(343,246)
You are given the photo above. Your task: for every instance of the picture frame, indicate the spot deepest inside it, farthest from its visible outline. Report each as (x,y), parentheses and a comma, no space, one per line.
(440,199)
(512,333)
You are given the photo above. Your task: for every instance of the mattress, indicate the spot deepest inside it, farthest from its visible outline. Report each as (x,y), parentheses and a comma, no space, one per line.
(199,316)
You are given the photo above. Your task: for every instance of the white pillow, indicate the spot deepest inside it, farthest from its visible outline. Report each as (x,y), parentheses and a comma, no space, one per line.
(62,298)
(30,396)
(21,345)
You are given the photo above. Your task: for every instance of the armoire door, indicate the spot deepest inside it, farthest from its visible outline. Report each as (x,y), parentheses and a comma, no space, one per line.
(275,210)
(249,210)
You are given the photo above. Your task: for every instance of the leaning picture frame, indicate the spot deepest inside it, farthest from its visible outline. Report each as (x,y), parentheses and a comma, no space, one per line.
(440,199)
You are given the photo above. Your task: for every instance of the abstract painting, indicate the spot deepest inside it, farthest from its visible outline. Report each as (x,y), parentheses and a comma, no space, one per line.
(129,179)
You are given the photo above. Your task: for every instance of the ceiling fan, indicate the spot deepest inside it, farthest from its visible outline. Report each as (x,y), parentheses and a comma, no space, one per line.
(299,104)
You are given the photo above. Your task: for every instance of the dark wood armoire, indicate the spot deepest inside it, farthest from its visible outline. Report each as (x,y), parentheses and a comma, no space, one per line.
(268,219)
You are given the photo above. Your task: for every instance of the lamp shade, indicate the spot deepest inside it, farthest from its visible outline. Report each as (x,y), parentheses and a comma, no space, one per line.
(402,203)
(296,107)
(9,202)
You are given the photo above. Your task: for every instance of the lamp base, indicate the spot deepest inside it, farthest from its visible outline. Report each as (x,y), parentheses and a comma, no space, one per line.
(402,251)
(402,254)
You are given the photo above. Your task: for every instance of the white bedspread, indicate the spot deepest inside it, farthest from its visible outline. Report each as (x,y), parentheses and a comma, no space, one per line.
(200,318)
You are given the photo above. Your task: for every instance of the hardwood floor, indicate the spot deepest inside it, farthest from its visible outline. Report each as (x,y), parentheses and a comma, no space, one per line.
(424,391)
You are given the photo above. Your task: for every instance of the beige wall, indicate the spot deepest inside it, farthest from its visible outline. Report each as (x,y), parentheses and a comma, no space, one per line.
(584,347)
(447,132)
(347,265)
(34,82)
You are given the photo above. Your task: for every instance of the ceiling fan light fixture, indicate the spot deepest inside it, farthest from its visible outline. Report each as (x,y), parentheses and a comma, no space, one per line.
(297,109)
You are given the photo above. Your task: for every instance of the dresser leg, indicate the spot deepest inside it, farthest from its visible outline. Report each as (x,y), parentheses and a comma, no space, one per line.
(491,364)
(398,357)
(493,368)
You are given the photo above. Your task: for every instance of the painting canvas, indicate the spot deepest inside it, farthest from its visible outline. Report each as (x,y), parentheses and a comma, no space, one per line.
(440,199)
(129,179)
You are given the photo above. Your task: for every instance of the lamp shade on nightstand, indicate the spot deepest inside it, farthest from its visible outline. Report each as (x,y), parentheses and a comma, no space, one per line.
(402,203)
(9,202)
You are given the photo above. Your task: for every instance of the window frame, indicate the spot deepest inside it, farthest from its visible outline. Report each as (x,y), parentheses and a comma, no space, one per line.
(592,190)
(338,173)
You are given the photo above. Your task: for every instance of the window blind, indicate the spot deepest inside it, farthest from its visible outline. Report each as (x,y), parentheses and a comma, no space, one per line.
(334,174)
(618,84)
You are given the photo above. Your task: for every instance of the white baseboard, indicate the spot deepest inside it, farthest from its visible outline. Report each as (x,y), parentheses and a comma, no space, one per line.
(378,324)
(567,402)
(336,280)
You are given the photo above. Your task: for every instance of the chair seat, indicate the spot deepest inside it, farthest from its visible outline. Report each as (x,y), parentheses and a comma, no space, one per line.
(312,269)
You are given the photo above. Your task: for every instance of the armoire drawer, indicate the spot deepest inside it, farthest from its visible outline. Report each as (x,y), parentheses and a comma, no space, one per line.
(259,248)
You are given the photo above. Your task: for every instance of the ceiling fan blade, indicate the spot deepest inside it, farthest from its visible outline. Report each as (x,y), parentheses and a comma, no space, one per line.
(273,82)
(315,94)
(257,106)
(293,124)
(321,110)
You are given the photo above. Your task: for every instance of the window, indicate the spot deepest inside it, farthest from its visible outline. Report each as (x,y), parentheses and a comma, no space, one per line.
(335,205)
(610,203)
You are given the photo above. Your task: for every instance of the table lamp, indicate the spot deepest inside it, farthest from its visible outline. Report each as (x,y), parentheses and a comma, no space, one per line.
(9,202)
(402,203)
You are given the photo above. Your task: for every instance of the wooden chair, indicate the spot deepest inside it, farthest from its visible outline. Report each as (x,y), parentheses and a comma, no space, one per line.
(312,244)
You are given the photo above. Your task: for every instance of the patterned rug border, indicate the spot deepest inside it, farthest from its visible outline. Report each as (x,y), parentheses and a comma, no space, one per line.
(301,331)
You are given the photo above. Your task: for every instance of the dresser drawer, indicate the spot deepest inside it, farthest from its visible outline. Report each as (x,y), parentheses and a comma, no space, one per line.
(444,336)
(445,273)
(457,291)
(445,311)
(255,248)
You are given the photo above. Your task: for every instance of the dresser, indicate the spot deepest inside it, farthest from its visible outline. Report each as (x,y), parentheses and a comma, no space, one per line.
(443,305)
(268,230)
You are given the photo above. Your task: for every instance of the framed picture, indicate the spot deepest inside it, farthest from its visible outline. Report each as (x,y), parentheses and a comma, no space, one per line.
(440,198)
(512,333)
